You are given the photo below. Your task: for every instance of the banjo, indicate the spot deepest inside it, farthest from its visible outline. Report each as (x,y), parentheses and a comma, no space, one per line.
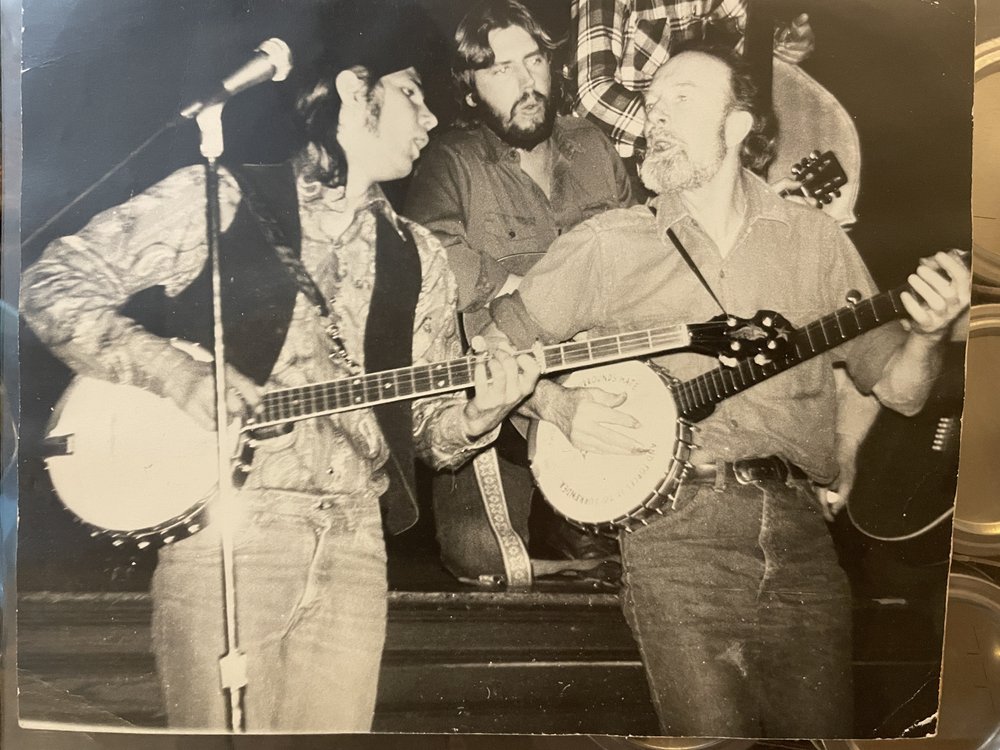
(608,493)
(133,466)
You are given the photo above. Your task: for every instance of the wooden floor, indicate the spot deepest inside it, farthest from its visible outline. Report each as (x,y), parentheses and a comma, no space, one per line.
(558,659)
(454,662)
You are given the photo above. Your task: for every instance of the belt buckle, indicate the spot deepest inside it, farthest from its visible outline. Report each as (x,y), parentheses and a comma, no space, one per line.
(750,470)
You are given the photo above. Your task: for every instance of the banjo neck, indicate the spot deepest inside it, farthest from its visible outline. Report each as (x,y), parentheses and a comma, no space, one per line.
(698,396)
(288,405)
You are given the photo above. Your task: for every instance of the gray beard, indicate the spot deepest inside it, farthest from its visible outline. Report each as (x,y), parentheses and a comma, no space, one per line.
(673,170)
(663,173)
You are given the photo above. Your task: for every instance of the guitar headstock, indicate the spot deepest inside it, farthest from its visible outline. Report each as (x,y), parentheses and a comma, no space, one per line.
(765,336)
(820,176)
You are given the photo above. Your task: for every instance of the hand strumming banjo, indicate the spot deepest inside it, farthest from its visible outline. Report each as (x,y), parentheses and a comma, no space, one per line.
(607,493)
(134,466)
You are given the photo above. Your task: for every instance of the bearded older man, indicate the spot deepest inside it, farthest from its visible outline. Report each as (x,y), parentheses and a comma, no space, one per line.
(735,595)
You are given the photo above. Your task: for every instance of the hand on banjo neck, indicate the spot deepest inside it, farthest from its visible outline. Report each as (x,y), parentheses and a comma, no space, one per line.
(604,491)
(766,344)
(104,429)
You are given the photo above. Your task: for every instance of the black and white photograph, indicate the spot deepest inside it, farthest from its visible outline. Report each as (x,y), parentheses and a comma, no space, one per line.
(509,367)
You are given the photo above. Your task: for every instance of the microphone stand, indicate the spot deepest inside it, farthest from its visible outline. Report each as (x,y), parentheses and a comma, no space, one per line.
(233,663)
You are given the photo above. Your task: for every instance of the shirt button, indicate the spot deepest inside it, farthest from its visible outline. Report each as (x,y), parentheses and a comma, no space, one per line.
(734,423)
(359,284)
(512,234)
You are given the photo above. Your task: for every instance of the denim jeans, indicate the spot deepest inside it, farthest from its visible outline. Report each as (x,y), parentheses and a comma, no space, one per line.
(311,609)
(742,614)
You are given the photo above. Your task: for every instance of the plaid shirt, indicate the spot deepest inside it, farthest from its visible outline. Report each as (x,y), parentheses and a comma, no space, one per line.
(621,43)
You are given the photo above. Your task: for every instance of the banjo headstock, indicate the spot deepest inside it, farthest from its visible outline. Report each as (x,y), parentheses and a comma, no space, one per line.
(765,336)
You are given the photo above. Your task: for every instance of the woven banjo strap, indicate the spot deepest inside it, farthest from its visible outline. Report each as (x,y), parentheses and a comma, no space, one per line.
(516,562)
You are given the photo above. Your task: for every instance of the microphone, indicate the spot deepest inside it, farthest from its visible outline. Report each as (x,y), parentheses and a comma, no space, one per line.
(272,61)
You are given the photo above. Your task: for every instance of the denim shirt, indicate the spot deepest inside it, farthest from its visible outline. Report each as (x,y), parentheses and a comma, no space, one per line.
(493,219)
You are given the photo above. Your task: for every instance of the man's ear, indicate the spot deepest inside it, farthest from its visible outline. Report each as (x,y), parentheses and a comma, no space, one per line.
(351,87)
(739,122)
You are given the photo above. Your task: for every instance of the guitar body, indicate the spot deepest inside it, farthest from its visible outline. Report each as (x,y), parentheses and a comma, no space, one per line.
(134,463)
(907,475)
(606,493)
(907,468)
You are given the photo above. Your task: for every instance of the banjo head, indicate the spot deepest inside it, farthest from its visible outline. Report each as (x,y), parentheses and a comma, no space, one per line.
(596,490)
(135,465)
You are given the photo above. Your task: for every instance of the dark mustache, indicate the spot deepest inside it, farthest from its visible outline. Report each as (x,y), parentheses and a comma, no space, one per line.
(529,97)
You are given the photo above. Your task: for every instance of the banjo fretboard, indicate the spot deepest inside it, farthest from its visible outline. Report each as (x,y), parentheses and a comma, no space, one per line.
(304,402)
(698,396)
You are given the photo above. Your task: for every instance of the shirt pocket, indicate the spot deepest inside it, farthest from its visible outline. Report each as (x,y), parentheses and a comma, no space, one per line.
(518,242)
(511,228)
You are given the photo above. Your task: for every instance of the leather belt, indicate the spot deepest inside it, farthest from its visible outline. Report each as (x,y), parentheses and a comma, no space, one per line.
(746,471)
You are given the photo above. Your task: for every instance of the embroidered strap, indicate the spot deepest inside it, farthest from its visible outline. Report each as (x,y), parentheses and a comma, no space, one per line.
(516,563)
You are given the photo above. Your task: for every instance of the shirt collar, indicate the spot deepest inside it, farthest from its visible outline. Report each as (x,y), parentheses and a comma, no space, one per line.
(762,204)
(374,200)
(496,149)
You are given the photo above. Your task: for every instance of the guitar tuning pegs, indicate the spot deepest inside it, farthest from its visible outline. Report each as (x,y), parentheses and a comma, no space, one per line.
(827,199)
(814,155)
(853,297)
(836,193)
